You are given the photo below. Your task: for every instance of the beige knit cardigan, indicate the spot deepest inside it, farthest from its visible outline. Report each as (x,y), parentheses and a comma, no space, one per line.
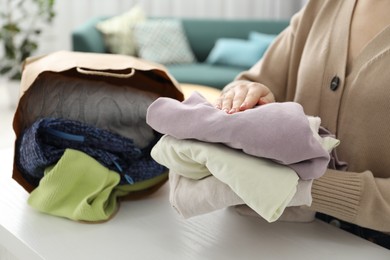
(307,64)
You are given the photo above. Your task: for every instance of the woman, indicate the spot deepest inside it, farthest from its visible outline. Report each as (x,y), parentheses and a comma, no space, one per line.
(333,59)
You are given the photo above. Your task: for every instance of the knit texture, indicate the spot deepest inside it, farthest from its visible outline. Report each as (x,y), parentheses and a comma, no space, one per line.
(118,109)
(45,141)
(337,195)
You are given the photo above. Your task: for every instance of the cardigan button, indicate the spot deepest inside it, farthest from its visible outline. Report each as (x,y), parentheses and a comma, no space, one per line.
(335,222)
(334,84)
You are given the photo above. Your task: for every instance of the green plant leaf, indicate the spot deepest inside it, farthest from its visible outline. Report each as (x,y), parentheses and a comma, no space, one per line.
(20,27)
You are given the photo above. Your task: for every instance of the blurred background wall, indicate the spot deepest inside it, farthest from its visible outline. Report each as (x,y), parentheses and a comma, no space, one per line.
(71,13)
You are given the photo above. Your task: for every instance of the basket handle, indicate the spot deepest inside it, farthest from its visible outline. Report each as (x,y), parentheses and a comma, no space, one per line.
(105,74)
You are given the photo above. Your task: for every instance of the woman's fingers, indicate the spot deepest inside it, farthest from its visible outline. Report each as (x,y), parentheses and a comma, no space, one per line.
(252,98)
(225,100)
(257,94)
(240,94)
(243,96)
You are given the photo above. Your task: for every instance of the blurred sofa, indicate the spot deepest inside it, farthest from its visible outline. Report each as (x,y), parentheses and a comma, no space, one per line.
(215,70)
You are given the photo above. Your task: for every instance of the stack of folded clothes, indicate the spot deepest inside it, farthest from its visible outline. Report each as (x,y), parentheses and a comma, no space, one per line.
(265,158)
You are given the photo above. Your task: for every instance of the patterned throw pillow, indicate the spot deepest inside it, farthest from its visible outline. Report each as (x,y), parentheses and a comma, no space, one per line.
(163,41)
(118,31)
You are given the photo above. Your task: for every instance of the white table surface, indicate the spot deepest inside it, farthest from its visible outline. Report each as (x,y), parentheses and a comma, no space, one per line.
(150,229)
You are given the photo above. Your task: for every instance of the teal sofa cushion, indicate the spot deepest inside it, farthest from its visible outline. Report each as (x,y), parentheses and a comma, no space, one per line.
(216,76)
(235,52)
(263,40)
(87,38)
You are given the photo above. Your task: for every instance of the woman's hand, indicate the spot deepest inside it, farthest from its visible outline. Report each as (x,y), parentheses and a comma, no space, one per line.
(242,95)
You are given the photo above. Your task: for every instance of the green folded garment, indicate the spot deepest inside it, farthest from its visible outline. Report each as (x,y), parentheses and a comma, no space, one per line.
(79,188)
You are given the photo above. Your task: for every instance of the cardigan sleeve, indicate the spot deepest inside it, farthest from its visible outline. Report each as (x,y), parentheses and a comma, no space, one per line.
(358,198)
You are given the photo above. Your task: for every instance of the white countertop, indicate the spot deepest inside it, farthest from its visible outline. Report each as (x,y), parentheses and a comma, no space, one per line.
(150,229)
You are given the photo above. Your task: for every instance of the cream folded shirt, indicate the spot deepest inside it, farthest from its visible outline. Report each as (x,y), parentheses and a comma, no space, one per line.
(265,186)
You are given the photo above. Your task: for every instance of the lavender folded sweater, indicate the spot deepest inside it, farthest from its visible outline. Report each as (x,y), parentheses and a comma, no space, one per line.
(277,131)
